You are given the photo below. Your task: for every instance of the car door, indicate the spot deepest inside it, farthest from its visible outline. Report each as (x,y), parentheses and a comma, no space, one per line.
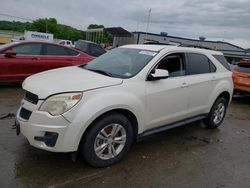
(55,56)
(23,64)
(166,99)
(201,79)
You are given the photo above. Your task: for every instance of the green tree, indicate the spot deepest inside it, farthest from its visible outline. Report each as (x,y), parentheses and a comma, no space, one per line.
(107,37)
(50,25)
(95,26)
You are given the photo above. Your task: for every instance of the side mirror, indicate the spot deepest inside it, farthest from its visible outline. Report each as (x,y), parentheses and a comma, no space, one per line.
(158,74)
(10,53)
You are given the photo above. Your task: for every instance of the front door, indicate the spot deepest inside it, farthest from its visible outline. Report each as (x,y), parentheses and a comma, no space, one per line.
(167,98)
(17,68)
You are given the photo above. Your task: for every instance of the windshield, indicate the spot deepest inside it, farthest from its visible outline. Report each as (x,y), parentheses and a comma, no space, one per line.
(121,62)
(7,45)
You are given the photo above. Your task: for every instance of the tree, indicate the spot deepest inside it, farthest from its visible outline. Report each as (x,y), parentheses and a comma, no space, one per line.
(46,25)
(107,37)
(95,26)
(60,31)
(50,25)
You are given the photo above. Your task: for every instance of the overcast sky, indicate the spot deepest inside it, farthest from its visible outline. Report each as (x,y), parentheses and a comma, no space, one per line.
(227,20)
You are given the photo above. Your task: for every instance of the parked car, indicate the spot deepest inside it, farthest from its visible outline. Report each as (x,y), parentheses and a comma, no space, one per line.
(124,95)
(66,43)
(90,48)
(241,77)
(19,60)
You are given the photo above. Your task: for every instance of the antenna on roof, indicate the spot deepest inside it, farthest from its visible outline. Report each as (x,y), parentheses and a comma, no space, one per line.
(149,13)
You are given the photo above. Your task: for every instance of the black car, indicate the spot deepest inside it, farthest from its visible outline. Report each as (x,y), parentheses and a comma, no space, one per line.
(89,48)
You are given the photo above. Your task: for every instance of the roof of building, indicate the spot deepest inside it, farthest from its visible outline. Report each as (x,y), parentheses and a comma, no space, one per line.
(195,40)
(118,31)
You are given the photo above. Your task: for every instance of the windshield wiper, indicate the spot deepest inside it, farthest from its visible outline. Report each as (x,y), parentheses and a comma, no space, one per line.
(101,72)
(82,66)
(97,70)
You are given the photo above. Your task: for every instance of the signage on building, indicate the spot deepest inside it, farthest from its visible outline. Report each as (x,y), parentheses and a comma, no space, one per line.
(32,35)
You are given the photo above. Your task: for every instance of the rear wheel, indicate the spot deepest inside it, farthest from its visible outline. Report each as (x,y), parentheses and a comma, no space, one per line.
(108,140)
(216,114)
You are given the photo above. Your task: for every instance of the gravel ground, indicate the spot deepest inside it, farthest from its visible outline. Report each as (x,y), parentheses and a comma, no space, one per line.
(189,156)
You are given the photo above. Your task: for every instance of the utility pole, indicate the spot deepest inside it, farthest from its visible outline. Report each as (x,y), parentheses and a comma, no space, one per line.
(224,34)
(46,26)
(137,27)
(149,14)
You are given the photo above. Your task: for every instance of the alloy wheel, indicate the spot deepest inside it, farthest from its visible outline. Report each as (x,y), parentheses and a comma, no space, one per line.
(110,141)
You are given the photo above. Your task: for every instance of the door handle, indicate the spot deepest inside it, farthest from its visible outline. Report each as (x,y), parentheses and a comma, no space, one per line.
(184,84)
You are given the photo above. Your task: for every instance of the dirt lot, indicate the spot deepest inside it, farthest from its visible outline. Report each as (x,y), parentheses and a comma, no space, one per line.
(189,156)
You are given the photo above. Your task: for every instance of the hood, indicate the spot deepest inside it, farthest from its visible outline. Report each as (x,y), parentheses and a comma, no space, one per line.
(67,79)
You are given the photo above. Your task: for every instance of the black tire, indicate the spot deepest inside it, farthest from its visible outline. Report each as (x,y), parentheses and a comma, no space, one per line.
(89,141)
(210,120)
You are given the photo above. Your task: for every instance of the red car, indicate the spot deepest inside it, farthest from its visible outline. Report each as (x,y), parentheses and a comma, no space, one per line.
(19,60)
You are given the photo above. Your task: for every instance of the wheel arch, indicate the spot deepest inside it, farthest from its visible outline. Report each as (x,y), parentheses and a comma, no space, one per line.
(225,95)
(127,113)
(223,88)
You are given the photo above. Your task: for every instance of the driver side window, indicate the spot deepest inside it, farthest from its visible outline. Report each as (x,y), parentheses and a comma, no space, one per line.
(174,64)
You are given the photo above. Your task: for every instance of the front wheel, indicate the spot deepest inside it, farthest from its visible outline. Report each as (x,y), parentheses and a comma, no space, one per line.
(108,140)
(216,114)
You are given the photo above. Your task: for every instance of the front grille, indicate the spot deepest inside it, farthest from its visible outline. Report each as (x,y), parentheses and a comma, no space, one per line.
(31,97)
(25,114)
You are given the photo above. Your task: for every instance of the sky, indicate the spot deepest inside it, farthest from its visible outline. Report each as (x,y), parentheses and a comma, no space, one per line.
(223,20)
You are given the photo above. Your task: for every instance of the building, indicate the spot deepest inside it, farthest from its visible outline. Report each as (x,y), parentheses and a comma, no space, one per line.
(6,37)
(232,52)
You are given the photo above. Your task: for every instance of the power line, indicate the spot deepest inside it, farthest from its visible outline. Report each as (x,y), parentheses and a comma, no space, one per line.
(12,16)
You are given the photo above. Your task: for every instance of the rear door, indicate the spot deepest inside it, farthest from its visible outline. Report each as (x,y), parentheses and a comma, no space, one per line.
(201,78)
(55,56)
(24,64)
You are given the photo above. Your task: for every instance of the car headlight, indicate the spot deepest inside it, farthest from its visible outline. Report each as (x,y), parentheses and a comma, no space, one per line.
(60,103)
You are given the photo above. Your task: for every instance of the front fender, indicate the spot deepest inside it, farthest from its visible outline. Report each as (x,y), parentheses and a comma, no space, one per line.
(97,102)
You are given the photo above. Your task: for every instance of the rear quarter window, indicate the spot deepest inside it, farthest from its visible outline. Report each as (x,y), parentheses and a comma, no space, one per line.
(72,52)
(223,61)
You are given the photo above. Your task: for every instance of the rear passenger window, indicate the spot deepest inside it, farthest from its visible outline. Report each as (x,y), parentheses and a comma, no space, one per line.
(198,64)
(55,50)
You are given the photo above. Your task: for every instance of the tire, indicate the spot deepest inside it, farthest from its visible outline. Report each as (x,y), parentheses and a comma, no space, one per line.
(101,147)
(216,114)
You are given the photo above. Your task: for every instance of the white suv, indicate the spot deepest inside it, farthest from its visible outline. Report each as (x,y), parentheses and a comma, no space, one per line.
(130,92)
